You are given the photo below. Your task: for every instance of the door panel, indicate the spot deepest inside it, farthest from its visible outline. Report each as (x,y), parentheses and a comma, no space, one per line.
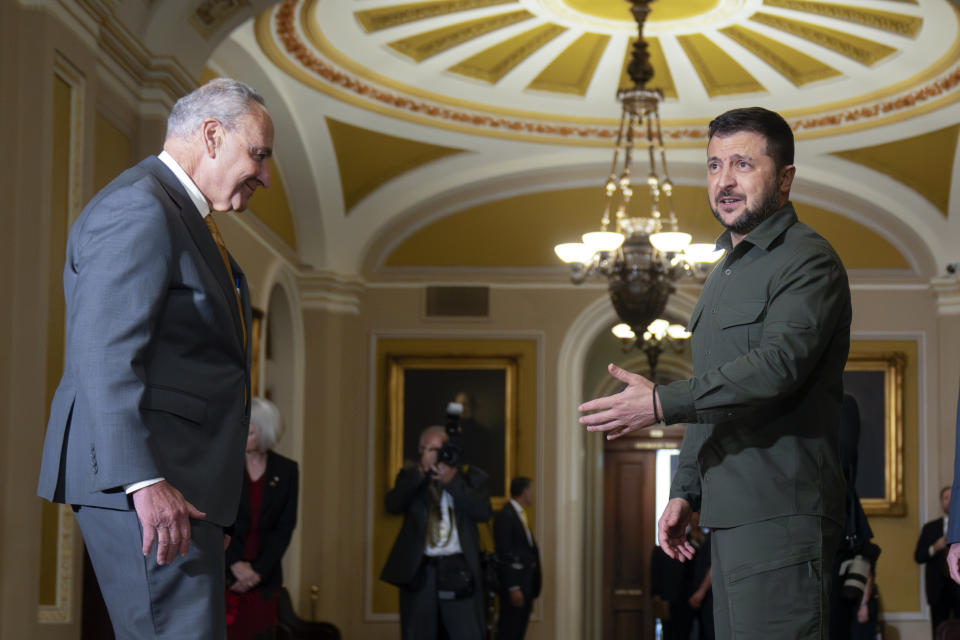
(629,503)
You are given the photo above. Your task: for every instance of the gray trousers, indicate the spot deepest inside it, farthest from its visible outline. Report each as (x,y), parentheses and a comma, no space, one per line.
(182,600)
(423,616)
(771,579)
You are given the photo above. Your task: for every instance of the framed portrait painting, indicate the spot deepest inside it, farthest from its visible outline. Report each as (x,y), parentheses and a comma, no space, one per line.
(420,389)
(876,383)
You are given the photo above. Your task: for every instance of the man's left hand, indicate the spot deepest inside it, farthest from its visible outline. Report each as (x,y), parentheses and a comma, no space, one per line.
(623,412)
(696,600)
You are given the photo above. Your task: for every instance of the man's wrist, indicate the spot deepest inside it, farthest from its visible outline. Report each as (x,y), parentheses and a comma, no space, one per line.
(136,486)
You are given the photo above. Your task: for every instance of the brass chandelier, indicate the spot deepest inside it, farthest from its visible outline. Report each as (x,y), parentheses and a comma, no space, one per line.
(642,256)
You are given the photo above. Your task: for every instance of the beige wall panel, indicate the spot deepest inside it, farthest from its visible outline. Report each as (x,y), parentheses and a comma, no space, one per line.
(907,321)
(31,42)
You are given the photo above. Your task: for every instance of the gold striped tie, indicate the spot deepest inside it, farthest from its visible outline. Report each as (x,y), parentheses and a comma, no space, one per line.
(215,232)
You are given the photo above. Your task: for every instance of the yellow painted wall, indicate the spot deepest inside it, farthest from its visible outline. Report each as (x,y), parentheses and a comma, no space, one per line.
(898,576)
(112,152)
(272,207)
(59,215)
(521,231)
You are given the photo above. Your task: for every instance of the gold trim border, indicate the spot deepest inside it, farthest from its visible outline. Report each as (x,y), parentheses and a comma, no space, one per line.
(61,611)
(893,365)
(397,365)
(840,117)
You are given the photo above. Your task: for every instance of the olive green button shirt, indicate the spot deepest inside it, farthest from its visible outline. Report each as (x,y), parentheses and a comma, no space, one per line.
(771,333)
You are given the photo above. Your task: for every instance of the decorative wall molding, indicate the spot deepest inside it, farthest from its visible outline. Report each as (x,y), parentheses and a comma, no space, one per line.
(947,291)
(78,84)
(149,77)
(61,612)
(330,291)
(211,15)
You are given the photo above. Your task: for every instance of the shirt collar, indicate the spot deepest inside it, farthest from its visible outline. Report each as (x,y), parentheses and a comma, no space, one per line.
(192,190)
(766,232)
(516,505)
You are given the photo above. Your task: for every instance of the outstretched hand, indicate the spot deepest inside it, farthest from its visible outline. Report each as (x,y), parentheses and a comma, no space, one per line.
(165,516)
(672,530)
(623,412)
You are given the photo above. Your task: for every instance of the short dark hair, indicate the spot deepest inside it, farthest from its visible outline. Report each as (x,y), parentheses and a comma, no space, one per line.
(518,485)
(769,124)
(944,490)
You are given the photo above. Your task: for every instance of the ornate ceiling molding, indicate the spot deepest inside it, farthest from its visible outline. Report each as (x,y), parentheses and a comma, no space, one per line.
(314,61)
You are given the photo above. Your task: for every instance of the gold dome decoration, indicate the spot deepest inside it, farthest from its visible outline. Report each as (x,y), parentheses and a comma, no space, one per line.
(664,10)
(491,66)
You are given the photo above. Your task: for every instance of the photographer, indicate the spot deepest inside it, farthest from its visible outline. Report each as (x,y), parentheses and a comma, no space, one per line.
(435,560)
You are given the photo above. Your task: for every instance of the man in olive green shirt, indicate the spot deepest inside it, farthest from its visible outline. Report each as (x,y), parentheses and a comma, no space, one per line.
(759,459)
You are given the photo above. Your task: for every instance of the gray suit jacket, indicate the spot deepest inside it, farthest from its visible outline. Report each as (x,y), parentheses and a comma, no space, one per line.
(156,379)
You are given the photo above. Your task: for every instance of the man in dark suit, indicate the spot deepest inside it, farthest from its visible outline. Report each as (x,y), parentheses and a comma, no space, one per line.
(147,428)
(943,594)
(435,560)
(518,561)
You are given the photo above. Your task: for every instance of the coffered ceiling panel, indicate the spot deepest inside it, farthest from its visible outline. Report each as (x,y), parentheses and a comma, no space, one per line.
(550,69)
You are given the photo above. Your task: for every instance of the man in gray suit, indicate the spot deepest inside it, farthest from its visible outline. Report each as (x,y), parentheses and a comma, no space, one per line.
(148,425)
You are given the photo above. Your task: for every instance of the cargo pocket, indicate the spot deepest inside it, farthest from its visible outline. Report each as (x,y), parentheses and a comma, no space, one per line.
(741,322)
(780,596)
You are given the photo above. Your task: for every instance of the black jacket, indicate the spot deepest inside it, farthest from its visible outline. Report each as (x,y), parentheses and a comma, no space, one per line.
(471,504)
(936,577)
(278,517)
(518,561)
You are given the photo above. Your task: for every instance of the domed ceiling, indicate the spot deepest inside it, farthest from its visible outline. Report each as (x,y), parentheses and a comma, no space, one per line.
(550,69)
(411,125)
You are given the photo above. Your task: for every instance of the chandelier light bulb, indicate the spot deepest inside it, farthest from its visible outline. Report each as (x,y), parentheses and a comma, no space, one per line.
(571,252)
(670,241)
(658,328)
(667,187)
(652,180)
(623,331)
(678,332)
(603,241)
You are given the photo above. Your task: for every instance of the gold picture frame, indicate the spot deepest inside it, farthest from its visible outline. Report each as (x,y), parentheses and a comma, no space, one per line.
(419,388)
(876,381)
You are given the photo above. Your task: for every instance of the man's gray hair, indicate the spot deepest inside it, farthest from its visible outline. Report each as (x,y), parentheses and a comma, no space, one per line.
(430,431)
(267,422)
(222,99)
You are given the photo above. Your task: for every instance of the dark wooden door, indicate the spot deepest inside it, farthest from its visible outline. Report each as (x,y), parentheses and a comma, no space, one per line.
(629,503)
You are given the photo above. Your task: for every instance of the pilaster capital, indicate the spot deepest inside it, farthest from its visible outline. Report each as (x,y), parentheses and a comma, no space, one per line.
(946,289)
(331,291)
